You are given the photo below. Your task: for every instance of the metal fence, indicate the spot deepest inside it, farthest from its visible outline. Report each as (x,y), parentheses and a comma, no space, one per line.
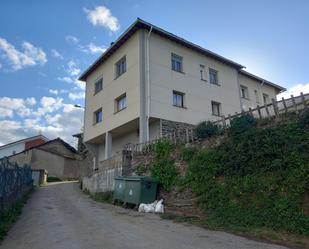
(15,181)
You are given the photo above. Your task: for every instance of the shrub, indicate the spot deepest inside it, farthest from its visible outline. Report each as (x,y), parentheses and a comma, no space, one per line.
(242,124)
(163,148)
(188,153)
(206,129)
(165,171)
(304,119)
(258,179)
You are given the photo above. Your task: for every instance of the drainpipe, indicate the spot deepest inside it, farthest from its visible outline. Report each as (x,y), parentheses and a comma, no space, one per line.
(238,85)
(260,92)
(148,83)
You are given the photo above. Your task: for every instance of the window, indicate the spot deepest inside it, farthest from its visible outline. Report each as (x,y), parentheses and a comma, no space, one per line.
(265,98)
(178,99)
(257,99)
(216,108)
(176,63)
(213,76)
(98,116)
(121,67)
(121,103)
(202,72)
(244,92)
(98,85)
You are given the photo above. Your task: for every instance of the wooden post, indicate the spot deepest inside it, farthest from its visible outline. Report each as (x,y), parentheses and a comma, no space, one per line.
(250,111)
(274,103)
(187,135)
(223,121)
(175,138)
(267,111)
(230,119)
(284,105)
(192,135)
(303,100)
(294,103)
(259,111)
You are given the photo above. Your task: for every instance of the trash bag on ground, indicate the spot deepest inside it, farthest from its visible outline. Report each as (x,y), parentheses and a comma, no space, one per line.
(155,207)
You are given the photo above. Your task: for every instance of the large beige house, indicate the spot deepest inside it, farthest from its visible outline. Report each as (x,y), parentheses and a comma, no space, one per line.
(150,81)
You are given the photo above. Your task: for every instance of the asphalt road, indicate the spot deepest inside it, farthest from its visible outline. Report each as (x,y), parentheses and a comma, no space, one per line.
(61,216)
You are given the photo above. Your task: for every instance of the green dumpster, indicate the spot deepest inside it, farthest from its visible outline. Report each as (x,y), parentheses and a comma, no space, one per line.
(140,189)
(119,189)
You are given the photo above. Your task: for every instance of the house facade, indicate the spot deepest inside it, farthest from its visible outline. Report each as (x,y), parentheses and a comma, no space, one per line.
(150,81)
(21,145)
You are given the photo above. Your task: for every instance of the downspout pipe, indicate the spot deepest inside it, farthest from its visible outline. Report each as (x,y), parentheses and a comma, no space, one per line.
(148,83)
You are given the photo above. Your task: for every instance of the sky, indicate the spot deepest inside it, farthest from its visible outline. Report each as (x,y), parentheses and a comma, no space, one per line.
(46,45)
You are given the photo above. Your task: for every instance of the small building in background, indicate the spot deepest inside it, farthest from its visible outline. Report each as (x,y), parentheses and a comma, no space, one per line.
(55,156)
(21,145)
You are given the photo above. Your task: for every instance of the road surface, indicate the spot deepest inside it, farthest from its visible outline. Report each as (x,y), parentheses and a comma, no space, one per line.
(61,216)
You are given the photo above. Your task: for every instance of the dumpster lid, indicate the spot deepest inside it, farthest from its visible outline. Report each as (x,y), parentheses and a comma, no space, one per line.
(140,178)
(118,177)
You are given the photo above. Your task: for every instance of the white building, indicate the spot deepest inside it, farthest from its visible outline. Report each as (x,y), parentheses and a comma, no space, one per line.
(150,81)
(21,145)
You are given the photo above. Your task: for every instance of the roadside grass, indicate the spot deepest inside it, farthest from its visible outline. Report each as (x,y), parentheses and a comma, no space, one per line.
(261,234)
(9,217)
(104,197)
(53,179)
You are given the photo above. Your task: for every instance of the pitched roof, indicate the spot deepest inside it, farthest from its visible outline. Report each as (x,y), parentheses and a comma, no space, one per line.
(252,76)
(65,144)
(25,140)
(140,24)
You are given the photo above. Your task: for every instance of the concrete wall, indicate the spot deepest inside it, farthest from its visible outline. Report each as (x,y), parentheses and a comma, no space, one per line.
(112,88)
(255,85)
(198,93)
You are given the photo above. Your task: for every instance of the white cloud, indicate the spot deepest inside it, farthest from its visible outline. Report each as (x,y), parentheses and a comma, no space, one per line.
(4,112)
(71,39)
(56,54)
(102,16)
(72,68)
(31,101)
(52,117)
(295,90)
(91,48)
(79,95)
(30,56)
(53,91)
(65,79)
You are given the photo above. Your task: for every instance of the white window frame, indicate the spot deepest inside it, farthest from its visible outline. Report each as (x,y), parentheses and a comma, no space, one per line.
(120,67)
(211,71)
(203,72)
(216,108)
(244,92)
(121,102)
(178,99)
(96,83)
(176,63)
(96,120)
(266,99)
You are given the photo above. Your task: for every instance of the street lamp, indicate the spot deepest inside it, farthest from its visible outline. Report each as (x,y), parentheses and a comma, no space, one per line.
(79,106)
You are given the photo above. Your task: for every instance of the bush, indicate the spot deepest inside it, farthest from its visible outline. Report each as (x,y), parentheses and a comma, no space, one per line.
(163,148)
(188,153)
(242,124)
(165,171)
(304,119)
(206,129)
(258,179)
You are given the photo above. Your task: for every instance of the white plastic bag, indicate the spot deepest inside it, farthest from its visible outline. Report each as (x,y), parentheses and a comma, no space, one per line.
(159,207)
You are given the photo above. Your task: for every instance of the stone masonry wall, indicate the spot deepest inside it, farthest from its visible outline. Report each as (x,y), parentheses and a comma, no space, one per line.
(182,131)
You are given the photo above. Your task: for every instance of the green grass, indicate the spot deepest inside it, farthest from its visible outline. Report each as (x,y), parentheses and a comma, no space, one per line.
(9,217)
(53,179)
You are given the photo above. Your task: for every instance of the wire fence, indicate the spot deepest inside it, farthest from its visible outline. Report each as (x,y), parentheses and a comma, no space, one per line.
(15,181)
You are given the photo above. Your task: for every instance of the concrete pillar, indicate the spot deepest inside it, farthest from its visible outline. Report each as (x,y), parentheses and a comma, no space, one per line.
(108,145)
(143,99)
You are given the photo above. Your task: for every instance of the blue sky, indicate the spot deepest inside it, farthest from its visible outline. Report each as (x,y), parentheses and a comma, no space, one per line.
(45,45)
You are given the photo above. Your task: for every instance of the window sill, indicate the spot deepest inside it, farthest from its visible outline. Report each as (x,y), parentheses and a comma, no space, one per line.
(96,123)
(215,84)
(119,75)
(182,107)
(216,115)
(120,110)
(204,80)
(97,92)
(182,72)
(245,98)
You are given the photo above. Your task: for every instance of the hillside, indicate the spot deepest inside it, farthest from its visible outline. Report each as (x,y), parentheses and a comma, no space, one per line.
(255,175)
